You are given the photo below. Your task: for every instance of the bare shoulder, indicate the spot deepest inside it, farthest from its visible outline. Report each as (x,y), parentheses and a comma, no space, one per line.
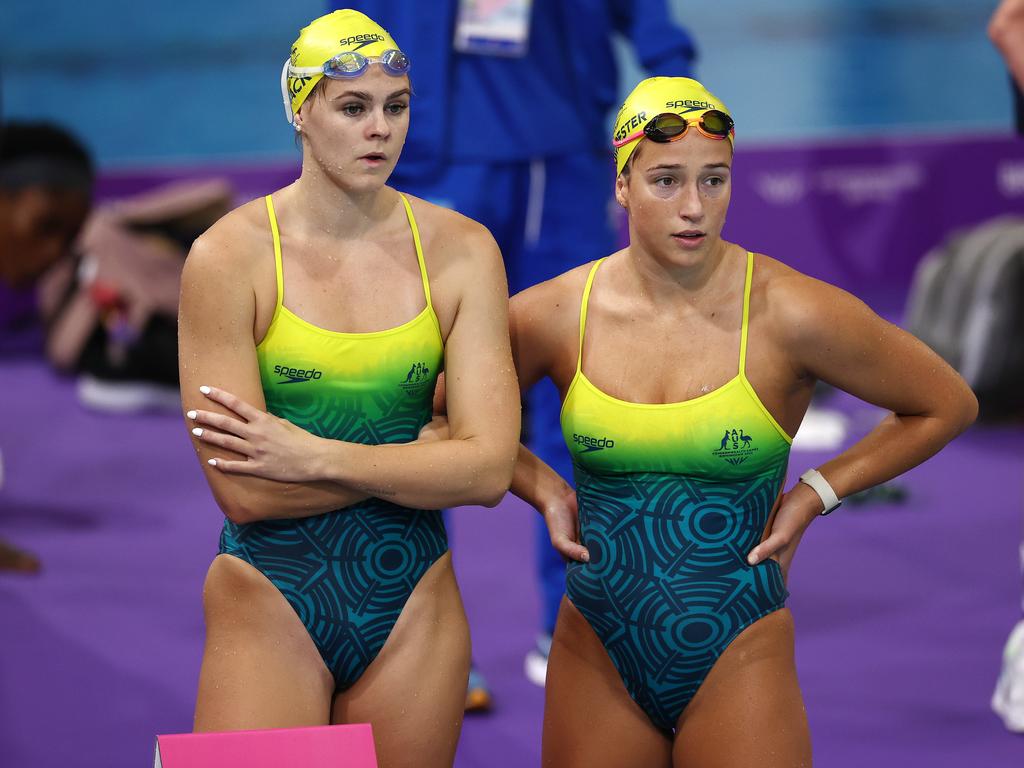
(554,299)
(451,239)
(544,323)
(798,308)
(228,247)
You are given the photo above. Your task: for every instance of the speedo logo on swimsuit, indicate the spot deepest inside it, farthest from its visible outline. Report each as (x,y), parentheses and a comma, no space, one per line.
(296,375)
(590,444)
(630,125)
(363,40)
(688,105)
(736,447)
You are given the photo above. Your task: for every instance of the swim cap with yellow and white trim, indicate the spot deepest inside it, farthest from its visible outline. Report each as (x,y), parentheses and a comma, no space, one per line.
(654,96)
(326,37)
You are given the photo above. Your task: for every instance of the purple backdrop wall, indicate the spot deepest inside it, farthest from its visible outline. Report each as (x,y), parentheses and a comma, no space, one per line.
(857,214)
(862,215)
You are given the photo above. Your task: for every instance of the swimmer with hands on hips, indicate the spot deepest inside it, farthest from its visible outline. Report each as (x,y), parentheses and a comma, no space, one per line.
(685,365)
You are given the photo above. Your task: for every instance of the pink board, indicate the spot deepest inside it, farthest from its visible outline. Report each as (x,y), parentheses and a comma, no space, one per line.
(329,746)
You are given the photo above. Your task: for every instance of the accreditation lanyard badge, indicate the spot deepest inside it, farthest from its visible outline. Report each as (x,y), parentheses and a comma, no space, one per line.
(493,27)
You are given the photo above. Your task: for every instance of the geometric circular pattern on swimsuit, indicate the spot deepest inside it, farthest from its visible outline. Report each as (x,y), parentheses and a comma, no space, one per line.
(347,574)
(668,587)
(377,420)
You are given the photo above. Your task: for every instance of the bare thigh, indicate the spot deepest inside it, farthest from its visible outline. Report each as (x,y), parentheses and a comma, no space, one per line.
(589,717)
(414,692)
(260,666)
(749,710)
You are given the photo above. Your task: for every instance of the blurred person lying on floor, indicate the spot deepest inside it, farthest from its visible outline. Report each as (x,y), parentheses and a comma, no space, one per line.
(112,307)
(103,282)
(45,194)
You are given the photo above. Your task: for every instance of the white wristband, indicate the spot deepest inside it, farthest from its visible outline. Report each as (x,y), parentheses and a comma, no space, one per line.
(819,484)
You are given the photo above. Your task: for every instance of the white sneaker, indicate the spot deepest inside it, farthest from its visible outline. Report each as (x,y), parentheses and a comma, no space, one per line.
(126,396)
(536,663)
(1008,699)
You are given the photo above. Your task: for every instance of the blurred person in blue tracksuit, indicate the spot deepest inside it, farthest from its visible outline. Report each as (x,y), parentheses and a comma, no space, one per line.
(512,110)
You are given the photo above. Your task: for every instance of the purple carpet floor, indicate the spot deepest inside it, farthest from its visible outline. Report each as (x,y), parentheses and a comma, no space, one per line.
(901,610)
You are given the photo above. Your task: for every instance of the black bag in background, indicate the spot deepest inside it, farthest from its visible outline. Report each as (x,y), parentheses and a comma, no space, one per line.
(967,303)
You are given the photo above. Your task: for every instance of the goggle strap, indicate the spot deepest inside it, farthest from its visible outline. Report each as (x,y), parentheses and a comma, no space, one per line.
(305,71)
(285,93)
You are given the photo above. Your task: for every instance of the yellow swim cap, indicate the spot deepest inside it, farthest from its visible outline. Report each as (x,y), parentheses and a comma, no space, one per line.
(655,96)
(324,38)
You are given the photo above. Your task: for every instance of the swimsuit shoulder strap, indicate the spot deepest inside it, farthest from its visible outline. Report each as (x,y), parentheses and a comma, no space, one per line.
(746,313)
(419,249)
(583,311)
(278,269)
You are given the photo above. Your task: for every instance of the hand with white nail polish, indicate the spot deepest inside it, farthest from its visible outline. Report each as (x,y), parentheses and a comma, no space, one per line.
(274,448)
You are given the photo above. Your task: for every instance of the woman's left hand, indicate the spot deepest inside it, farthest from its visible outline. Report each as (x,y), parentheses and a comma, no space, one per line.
(434,430)
(797,510)
(275,449)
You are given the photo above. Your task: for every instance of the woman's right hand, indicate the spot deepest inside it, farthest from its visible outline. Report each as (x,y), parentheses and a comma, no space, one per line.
(562,517)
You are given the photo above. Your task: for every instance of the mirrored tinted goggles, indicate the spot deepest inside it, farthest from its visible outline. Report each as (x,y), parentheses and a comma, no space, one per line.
(669,126)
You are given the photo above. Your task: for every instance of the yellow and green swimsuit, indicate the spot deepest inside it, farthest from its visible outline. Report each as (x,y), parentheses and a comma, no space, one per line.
(672,498)
(347,573)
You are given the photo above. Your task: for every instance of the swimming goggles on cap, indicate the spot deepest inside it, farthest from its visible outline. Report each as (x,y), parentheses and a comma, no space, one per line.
(345,65)
(668,126)
(352,64)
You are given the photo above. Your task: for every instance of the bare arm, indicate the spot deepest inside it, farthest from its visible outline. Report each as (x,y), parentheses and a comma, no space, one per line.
(533,329)
(474,464)
(532,480)
(1006,30)
(215,339)
(834,337)
(538,329)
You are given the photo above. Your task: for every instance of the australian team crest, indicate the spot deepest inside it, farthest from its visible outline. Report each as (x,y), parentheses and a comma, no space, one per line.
(736,447)
(416,379)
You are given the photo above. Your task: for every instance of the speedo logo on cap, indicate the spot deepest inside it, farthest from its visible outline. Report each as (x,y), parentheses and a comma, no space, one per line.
(630,125)
(364,39)
(689,105)
(589,443)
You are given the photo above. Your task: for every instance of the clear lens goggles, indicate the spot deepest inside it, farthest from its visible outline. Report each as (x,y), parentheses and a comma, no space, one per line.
(353,64)
(669,126)
(345,65)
